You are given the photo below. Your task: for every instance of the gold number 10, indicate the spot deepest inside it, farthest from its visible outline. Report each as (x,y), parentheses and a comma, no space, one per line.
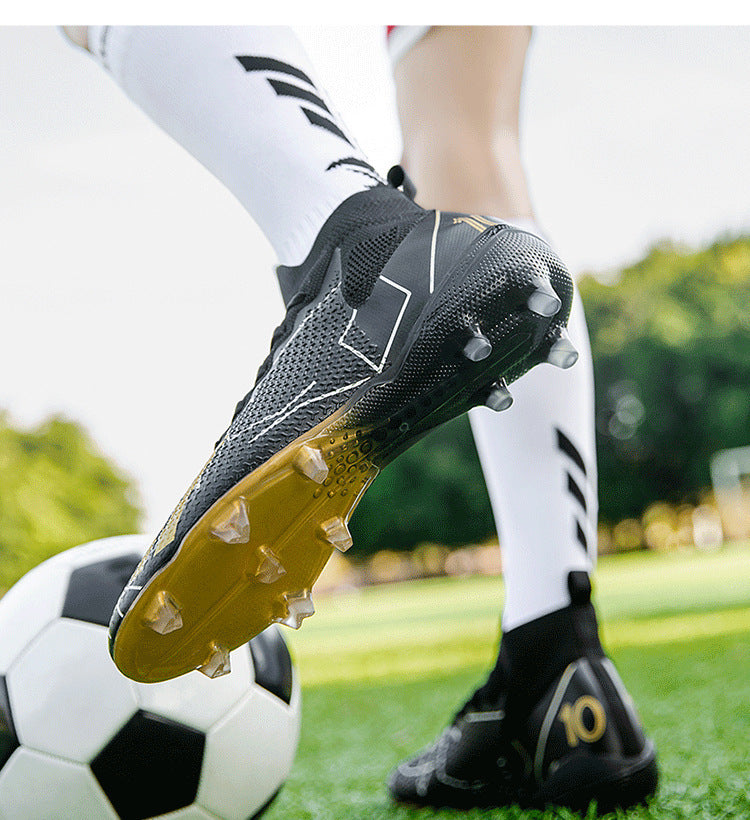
(572,717)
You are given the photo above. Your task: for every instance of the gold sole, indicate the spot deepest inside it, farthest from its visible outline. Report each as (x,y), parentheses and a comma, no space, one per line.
(250,560)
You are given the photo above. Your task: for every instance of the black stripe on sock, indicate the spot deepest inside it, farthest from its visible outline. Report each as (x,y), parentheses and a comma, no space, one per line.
(567,447)
(250,63)
(288,90)
(581,536)
(360,163)
(322,122)
(576,492)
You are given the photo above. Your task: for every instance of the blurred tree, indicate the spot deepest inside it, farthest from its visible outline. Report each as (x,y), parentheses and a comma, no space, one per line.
(671,345)
(434,492)
(56,491)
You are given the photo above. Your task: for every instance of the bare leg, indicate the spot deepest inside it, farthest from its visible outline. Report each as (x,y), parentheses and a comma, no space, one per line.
(459,119)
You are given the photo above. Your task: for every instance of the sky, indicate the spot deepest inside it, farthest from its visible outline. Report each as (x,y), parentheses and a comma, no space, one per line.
(139,298)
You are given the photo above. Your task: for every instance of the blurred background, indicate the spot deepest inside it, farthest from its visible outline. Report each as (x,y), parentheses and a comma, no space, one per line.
(139,299)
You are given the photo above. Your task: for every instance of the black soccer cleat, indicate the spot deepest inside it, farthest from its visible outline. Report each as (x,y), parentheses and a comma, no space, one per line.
(401,319)
(573,739)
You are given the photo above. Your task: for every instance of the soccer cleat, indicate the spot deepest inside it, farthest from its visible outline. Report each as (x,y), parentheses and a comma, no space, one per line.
(398,320)
(573,739)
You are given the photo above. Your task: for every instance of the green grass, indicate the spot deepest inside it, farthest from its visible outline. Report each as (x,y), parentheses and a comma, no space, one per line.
(384,669)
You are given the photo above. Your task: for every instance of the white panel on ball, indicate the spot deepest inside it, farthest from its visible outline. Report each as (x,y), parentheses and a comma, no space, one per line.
(20,622)
(105,548)
(257,768)
(36,786)
(71,715)
(195,699)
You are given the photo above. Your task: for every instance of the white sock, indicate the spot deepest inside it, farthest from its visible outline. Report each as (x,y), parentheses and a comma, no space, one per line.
(539,462)
(244,101)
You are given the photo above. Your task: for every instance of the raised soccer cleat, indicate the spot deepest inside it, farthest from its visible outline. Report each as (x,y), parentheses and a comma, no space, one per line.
(540,737)
(398,320)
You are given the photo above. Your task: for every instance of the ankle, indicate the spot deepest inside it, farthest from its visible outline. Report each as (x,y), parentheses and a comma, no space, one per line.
(471,174)
(537,652)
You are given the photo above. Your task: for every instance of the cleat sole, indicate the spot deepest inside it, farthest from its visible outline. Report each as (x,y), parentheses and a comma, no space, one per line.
(293,531)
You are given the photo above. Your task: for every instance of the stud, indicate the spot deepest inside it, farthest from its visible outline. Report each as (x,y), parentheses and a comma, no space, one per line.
(218,662)
(478,347)
(163,616)
(269,567)
(544,301)
(499,398)
(235,527)
(298,606)
(336,533)
(562,353)
(309,462)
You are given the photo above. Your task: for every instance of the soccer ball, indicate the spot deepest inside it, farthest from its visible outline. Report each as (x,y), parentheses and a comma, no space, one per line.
(80,741)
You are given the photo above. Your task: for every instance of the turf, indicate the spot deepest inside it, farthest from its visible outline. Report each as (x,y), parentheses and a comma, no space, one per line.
(384,668)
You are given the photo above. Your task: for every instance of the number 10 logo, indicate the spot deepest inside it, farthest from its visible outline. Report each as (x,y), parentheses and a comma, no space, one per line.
(573,719)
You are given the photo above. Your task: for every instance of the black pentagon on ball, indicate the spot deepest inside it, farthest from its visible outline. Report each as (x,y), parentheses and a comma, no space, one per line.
(93,590)
(151,766)
(8,739)
(272,663)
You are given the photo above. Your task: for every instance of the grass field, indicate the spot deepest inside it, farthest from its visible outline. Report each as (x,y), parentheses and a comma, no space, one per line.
(383,670)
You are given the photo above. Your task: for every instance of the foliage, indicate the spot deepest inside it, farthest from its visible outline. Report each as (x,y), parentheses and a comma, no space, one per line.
(56,491)
(671,346)
(434,492)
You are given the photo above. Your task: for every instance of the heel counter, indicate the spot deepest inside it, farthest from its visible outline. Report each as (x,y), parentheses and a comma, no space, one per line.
(575,718)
